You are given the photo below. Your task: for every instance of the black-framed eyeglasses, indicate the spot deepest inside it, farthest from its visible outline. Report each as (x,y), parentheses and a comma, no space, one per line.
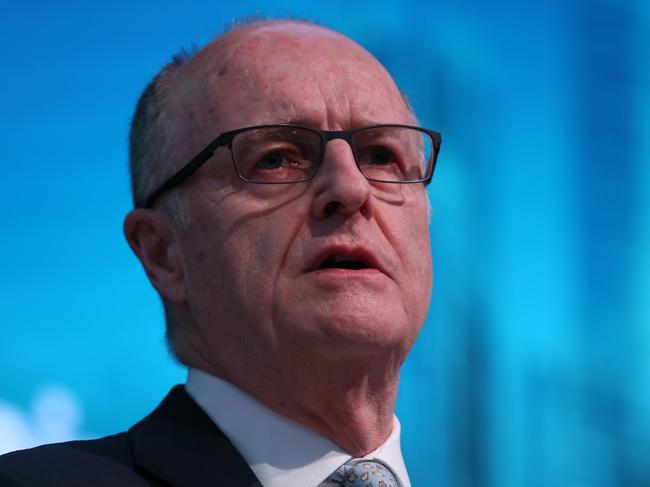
(282,154)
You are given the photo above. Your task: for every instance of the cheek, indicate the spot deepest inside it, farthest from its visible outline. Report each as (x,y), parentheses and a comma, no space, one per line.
(230,286)
(413,245)
(407,226)
(255,252)
(421,247)
(423,267)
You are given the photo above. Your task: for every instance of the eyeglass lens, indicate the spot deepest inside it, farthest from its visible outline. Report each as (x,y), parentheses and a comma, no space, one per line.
(289,154)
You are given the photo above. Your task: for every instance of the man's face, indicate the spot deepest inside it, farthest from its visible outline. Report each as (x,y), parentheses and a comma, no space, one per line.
(260,261)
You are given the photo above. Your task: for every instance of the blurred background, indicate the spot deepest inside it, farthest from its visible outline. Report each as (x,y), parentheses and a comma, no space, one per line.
(533,368)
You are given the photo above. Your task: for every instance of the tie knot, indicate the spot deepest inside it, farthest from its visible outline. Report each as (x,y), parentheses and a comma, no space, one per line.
(362,473)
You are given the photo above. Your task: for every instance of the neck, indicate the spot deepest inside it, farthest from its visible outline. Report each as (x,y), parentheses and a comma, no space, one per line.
(351,403)
(355,410)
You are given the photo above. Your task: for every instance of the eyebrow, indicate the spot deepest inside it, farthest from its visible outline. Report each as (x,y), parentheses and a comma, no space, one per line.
(298,120)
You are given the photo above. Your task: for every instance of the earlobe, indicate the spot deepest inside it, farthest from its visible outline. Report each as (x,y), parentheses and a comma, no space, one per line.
(153,240)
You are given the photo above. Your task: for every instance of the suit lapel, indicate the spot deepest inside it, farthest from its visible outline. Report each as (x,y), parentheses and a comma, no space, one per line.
(180,445)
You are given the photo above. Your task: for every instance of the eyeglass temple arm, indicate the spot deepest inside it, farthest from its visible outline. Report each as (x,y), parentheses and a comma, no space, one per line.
(186,171)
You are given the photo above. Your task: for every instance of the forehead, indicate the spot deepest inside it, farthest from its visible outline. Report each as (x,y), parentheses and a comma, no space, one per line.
(281,72)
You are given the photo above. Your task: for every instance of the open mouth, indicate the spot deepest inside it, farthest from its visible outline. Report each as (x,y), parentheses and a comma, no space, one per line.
(344,262)
(345,258)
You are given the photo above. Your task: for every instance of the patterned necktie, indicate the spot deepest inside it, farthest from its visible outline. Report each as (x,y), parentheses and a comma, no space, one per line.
(361,473)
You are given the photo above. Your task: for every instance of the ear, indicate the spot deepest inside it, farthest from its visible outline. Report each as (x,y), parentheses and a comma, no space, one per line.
(153,240)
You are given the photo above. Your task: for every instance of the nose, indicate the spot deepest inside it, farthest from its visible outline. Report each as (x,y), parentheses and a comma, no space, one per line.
(340,188)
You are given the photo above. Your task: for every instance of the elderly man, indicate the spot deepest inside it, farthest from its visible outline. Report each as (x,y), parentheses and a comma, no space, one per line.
(281,214)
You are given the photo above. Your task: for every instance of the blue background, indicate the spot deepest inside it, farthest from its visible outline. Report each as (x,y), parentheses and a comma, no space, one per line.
(534,365)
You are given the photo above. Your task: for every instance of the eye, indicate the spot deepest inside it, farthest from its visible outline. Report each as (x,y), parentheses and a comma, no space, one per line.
(274,160)
(379,156)
(281,163)
(381,160)
(281,160)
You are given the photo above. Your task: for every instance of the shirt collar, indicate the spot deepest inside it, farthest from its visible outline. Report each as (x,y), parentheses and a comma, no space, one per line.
(278,450)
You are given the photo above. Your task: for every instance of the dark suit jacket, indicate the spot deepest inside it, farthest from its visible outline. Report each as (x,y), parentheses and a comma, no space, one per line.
(176,445)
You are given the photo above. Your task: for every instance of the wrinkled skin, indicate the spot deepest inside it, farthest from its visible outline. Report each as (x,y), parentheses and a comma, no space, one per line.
(242,281)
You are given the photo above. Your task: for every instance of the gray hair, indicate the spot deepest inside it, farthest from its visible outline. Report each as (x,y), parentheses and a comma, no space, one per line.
(151,155)
(151,132)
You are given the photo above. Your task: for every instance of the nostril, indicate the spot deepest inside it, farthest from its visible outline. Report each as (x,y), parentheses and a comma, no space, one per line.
(331,207)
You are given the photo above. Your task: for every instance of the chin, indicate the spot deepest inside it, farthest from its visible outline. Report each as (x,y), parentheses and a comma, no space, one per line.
(356,328)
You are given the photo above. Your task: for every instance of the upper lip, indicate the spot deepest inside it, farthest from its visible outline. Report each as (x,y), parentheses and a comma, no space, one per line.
(345,253)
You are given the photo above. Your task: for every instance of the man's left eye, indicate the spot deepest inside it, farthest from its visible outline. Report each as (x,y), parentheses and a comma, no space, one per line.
(378,156)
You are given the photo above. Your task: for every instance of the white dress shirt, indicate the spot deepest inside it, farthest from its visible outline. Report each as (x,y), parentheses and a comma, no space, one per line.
(278,450)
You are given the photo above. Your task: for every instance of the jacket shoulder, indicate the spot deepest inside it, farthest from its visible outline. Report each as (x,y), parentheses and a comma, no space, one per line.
(103,462)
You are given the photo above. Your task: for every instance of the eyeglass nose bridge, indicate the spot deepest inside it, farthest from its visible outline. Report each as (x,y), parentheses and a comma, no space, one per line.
(338,134)
(330,135)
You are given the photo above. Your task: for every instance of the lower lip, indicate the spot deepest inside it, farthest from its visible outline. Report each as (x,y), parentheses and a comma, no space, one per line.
(339,272)
(344,280)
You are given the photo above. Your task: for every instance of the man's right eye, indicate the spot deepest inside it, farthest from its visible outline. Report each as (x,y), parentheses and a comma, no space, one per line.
(274,160)
(276,164)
